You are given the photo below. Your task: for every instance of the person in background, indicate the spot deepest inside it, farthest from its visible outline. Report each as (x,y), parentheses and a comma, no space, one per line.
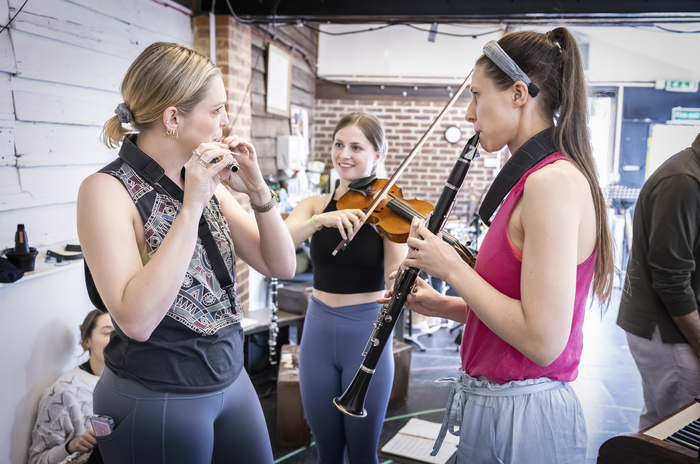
(523,304)
(342,311)
(159,227)
(62,425)
(659,306)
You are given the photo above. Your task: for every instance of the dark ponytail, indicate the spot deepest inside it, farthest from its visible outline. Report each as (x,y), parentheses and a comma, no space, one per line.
(553,62)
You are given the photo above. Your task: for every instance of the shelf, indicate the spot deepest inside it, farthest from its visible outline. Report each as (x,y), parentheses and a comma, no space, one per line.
(42,268)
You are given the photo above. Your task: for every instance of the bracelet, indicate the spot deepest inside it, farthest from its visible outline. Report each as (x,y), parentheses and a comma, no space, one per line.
(267,206)
(314,224)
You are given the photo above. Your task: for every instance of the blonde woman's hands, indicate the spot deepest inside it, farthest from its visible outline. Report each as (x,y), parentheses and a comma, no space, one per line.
(347,221)
(424,299)
(203,172)
(248,179)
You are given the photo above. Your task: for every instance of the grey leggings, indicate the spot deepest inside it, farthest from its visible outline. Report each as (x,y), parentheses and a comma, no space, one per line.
(152,427)
(331,353)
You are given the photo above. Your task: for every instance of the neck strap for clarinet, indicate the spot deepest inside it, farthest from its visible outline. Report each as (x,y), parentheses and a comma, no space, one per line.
(154,173)
(525,158)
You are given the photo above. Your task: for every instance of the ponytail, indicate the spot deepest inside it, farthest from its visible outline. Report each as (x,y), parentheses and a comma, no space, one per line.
(553,62)
(113,132)
(572,136)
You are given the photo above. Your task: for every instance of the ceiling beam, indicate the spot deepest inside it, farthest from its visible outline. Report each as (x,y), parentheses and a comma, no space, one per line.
(461,11)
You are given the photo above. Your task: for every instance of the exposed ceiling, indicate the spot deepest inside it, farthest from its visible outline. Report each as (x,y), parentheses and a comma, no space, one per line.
(466,11)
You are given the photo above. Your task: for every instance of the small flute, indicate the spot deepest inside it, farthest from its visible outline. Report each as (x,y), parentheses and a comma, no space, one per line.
(233,165)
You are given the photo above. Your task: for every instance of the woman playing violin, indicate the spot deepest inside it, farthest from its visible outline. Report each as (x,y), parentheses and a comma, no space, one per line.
(548,245)
(342,310)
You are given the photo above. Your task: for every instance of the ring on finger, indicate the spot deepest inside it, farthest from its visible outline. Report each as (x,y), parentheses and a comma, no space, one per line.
(196,152)
(202,162)
(217,176)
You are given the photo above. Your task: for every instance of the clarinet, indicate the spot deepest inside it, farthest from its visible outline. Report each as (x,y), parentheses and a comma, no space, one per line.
(274,330)
(352,402)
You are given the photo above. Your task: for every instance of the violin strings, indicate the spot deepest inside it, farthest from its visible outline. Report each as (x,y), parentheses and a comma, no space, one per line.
(398,205)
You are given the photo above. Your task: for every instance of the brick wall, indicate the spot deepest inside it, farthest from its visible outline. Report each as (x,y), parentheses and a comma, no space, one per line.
(233,57)
(405,123)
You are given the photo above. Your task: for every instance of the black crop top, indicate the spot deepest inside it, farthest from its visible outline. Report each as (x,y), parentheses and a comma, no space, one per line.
(357,269)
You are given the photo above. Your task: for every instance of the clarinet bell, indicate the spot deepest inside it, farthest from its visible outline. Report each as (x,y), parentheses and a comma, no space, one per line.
(352,402)
(347,406)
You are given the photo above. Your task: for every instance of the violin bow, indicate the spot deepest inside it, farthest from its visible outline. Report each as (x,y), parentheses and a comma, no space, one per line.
(382,193)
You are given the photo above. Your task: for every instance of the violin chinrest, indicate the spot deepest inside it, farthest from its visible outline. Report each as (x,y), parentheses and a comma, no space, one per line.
(360,185)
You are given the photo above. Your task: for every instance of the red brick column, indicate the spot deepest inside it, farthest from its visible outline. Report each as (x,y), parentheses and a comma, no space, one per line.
(233,51)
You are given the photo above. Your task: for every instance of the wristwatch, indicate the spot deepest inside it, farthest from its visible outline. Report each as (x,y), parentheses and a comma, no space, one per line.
(267,206)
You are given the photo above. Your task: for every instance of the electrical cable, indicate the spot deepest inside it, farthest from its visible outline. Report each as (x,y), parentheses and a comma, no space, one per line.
(266,33)
(451,34)
(240,20)
(13,18)
(274,10)
(665,29)
(371,29)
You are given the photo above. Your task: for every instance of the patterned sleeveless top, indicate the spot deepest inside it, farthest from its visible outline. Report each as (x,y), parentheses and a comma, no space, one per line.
(202,323)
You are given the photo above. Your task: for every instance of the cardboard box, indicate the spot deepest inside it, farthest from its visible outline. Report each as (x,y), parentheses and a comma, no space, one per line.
(292,429)
(294,298)
(402,373)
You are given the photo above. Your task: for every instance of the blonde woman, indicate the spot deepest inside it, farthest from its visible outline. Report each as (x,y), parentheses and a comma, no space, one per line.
(341,314)
(174,382)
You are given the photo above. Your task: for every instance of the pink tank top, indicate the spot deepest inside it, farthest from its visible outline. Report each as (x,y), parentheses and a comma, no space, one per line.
(499,262)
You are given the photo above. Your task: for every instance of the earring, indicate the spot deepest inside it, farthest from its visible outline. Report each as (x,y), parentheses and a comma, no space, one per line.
(172,132)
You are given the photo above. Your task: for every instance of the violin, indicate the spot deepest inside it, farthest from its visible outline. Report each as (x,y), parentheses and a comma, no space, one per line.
(393,215)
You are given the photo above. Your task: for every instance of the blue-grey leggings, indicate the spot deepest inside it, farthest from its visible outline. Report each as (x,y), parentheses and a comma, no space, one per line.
(153,427)
(331,354)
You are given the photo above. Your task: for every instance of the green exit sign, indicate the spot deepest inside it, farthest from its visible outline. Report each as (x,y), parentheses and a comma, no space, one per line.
(682,86)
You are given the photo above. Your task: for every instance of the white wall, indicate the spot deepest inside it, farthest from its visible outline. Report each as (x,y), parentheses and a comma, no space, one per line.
(61,63)
(402,54)
(633,54)
(39,341)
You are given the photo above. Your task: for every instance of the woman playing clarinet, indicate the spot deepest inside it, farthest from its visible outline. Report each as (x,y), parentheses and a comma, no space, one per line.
(548,245)
(342,310)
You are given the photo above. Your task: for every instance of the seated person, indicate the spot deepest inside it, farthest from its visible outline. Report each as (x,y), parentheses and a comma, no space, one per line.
(62,425)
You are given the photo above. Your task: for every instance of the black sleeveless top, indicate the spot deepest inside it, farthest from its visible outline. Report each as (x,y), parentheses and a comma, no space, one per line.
(357,269)
(198,346)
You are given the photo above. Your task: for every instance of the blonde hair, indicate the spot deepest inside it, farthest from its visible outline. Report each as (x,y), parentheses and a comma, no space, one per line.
(163,75)
(371,127)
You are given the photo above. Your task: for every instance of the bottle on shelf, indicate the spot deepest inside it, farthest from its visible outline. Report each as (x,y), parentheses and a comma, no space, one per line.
(21,243)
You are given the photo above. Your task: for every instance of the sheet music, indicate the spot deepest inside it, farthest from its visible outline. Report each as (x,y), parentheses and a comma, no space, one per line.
(415,440)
